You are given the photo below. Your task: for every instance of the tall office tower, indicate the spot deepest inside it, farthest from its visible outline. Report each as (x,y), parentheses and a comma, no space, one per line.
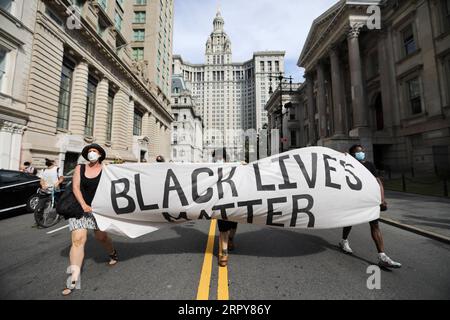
(230,95)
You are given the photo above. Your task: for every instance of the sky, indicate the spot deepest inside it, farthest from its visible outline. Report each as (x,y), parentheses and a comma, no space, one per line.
(252,25)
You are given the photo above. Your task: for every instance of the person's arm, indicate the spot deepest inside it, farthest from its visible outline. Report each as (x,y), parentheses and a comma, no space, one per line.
(383,200)
(43,183)
(60,179)
(77,192)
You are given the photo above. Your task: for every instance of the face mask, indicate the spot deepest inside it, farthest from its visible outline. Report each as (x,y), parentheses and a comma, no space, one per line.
(93,156)
(360,156)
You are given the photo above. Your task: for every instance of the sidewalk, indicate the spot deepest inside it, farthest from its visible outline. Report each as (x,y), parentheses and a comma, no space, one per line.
(429,216)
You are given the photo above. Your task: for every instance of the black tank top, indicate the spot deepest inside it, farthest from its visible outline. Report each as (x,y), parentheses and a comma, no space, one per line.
(88,186)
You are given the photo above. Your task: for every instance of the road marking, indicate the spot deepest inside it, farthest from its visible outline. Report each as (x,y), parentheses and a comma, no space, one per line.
(56,230)
(222,288)
(205,278)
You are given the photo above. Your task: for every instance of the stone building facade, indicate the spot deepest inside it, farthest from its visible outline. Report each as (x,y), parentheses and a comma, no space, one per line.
(84,86)
(187,128)
(17,19)
(387,88)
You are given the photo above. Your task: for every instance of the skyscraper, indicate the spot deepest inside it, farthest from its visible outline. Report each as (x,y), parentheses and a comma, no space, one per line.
(230,95)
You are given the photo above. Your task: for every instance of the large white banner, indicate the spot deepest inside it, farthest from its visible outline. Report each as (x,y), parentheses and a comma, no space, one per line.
(315,188)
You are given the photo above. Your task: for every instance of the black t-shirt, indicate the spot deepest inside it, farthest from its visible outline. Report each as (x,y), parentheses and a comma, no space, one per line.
(371,167)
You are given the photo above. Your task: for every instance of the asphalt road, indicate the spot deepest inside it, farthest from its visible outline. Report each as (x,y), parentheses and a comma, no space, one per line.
(267,264)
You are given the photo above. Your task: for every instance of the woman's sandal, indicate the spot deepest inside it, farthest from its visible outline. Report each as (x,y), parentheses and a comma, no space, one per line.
(68,291)
(223,259)
(114,258)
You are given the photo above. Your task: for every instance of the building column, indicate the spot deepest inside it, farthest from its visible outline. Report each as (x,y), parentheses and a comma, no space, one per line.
(311,111)
(79,99)
(121,123)
(151,128)
(101,111)
(360,110)
(321,101)
(338,93)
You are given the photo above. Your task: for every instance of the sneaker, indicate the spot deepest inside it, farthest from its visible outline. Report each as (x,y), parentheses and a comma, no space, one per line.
(345,246)
(386,262)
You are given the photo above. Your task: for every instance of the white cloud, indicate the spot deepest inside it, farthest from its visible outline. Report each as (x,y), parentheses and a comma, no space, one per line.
(252,25)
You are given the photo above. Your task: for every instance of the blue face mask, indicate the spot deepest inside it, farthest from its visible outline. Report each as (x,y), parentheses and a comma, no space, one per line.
(360,156)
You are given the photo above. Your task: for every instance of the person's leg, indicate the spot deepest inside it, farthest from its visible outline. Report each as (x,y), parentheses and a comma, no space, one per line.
(76,255)
(345,244)
(377,236)
(231,236)
(106,242)
(224,229)
(383,259)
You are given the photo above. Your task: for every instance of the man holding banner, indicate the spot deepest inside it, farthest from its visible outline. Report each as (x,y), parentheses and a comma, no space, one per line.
(357,151)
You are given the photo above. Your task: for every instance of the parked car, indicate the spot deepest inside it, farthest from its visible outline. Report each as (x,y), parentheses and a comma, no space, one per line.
(16,190)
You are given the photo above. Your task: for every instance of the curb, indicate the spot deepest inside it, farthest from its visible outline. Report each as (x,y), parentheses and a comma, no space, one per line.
(416,230)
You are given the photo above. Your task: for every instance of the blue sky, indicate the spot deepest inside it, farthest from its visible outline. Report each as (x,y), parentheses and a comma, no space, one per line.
(252,25)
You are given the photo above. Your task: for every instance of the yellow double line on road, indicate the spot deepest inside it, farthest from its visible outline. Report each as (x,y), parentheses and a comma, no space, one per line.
(205,277)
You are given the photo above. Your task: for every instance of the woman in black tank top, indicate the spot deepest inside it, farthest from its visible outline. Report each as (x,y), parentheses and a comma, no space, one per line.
(85,183)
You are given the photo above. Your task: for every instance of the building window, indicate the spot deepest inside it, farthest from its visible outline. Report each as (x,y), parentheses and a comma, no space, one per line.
(293,138)
(138,35)
(277,66)
(137,123)
(65,91)
(138,54)
(446,14)
(141,2)
(118,21)
(261,64)
(139,17)
(3,58)
(409,43)
(415,99)
(90,107)
(103,4)
(8,5)
(109,116)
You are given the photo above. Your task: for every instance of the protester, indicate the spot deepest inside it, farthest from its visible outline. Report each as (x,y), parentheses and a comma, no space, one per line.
(227,229)
(28,168)
(357,151)
(160,159)
(50,176)
(85,182)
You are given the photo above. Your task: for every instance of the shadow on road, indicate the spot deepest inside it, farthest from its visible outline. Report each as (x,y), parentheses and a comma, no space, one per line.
(260,243)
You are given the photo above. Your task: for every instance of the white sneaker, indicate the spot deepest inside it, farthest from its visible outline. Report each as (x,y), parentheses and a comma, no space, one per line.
(386,262)
(345,246)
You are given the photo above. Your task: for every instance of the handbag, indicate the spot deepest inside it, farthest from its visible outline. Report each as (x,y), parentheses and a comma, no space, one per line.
(68,206)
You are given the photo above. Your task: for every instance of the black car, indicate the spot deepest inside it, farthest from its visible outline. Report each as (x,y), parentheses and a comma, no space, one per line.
(16,189)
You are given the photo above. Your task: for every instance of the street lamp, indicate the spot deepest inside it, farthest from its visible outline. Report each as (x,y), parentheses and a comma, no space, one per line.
(281,80)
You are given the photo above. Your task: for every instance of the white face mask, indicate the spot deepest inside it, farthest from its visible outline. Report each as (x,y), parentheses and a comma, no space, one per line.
(93,156)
